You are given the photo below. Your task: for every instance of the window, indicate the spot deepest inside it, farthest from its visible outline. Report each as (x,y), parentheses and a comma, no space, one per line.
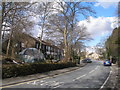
(22,44)
(37,44)
(52,49)
(48,48)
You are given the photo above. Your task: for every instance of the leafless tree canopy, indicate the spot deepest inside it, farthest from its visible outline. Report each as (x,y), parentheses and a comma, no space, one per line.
(58,22)
(15,20)
(63,25)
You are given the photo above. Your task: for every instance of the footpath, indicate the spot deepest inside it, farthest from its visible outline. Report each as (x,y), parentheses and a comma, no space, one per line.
(113,81)
(23,79)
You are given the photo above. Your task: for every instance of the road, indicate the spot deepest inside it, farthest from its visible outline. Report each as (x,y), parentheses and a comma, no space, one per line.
(93,75)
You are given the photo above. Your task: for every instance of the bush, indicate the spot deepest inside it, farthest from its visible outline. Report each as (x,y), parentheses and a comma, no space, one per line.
(32,68)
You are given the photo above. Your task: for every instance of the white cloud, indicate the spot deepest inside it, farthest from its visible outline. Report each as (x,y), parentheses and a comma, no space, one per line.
(107,3)
(99,27)
(90,49)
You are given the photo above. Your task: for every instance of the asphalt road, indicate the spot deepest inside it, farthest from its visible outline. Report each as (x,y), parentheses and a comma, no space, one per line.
(93,75)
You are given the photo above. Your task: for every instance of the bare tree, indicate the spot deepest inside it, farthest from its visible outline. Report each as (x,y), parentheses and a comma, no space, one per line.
(43,11)
(15,16)
(65,22)
(80,35)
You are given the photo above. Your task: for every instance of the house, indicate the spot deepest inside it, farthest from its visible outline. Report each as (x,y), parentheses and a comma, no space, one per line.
(50,51)
(26,41)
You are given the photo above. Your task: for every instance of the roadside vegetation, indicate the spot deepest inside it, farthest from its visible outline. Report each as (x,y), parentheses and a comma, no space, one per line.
(113,45)
(14,70)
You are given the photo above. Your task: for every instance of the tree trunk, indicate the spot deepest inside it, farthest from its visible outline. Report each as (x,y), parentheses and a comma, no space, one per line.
(8,46)
(10,38)
(13,52)
(65,41)
(41,37)
(43,24)
(71,39)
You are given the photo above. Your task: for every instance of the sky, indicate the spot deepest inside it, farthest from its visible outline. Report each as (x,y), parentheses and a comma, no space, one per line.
(103,24)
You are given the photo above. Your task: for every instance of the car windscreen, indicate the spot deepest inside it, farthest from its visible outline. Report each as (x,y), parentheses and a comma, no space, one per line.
(28,52)
(35,52)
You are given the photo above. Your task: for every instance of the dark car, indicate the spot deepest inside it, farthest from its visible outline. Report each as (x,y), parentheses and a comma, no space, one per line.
(87,60)
(107,63)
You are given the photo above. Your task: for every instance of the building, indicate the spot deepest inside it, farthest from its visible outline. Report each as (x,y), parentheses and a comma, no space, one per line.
(93,56)
(26,41)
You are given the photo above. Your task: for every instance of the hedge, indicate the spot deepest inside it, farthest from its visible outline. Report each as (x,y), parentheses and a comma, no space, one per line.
(32,68)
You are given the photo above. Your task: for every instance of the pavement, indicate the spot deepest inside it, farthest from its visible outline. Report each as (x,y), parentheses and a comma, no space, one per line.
(22,79)
(113,79)
(118,78)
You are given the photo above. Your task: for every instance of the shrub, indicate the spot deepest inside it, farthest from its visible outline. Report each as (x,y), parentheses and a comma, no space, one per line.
(32,68)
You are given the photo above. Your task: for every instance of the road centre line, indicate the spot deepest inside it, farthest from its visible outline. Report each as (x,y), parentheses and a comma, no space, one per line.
(79,77)
(85,74)
(97,67)
(94,69)
(91,71)
(41,78)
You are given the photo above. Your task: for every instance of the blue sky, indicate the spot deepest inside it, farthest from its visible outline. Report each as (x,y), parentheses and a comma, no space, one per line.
(106,12)
(103,23)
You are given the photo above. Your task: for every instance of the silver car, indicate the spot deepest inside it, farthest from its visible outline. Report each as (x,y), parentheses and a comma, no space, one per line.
(30,55)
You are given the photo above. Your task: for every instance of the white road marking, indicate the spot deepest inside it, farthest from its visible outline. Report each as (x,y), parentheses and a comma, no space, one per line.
(79,77)
(49,82)
(43,83)
(34,82)
(86,74)
(57,86)
(60,84)
(53,84)
(94,69)
(105,81)
(97,67)
(57,83)
(91,71)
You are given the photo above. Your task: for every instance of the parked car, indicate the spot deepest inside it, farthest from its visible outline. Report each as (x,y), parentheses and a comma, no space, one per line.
(87,60)
(30,55)
(107,63)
